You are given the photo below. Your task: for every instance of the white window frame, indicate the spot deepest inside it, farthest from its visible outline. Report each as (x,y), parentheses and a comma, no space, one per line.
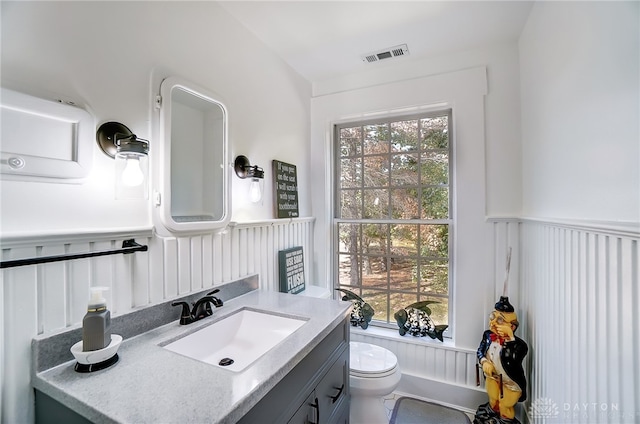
(450,221)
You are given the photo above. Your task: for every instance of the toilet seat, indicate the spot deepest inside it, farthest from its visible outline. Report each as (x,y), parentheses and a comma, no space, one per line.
(371,361)
(374,372)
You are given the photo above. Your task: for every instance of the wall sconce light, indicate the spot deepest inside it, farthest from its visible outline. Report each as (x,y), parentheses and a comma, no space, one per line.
(132,160)
(244,169)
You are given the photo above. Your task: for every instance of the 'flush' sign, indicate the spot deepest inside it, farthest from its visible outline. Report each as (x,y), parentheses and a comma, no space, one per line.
(291,270)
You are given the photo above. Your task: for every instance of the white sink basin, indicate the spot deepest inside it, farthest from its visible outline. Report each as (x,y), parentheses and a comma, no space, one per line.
(242,337)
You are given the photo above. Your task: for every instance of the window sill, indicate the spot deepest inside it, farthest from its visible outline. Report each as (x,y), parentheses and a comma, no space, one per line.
(393,335)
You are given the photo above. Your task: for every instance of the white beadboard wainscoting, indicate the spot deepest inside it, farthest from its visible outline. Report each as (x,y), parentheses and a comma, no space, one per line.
(574,287)
(579,288)
(430,369)
(440,371)
(43,299)
(191,263)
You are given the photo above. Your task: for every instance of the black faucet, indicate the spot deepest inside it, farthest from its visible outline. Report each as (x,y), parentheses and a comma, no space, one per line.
(201,308)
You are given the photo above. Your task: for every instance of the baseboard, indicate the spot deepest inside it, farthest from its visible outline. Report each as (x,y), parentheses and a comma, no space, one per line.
(463,398)
(456,396)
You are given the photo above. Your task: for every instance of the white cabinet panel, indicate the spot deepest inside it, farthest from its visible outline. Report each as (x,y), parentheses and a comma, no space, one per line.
(44,139)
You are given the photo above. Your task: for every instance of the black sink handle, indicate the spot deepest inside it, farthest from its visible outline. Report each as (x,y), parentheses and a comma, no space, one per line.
(216,301)
(185,316)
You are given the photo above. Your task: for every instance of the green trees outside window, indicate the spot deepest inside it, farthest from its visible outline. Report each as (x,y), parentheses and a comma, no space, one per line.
(393,212)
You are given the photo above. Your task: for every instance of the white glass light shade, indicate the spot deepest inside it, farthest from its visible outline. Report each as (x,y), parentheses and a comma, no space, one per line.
(131,175)
(255,190)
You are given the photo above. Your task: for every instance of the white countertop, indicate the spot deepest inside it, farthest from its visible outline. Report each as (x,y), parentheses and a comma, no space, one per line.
(150,384)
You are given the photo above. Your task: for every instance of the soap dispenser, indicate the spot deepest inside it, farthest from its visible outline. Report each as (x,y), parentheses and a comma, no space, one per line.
(96,324)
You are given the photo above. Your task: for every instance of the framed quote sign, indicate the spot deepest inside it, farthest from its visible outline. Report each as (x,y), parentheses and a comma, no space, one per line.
(285,184)
(291,270)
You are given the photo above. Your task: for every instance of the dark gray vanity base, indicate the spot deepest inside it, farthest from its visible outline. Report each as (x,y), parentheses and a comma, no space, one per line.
(50,411)
(320,379)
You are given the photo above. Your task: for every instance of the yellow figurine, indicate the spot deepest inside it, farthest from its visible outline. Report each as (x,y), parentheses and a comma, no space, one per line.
(501,354)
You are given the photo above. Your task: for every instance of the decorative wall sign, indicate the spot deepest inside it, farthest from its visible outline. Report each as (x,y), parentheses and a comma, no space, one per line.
(285,184)
(291,270)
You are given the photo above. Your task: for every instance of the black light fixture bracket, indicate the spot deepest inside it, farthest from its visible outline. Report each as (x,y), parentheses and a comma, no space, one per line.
(114,137)
(244,169)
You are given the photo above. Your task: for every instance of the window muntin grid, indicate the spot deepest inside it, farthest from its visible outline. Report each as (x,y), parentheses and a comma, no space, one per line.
(393,212)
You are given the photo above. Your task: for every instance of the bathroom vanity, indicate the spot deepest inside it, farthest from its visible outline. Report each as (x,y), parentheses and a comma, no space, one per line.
(304,378)
(315,391)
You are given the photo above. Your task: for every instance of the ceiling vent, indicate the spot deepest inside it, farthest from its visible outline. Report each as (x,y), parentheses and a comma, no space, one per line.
(391,52)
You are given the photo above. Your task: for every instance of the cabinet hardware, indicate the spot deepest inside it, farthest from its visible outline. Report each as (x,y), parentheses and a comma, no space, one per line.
(316,406)
(337,396)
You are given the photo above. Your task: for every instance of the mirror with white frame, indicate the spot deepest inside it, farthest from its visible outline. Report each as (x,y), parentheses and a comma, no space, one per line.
(193,175)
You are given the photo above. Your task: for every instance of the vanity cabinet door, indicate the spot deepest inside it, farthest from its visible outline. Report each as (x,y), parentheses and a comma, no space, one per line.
(308,411)
(50,411)
(342,416)
(333,389)
(321,379)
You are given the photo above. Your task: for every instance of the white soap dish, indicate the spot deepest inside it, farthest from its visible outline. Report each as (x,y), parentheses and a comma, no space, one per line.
(95,360)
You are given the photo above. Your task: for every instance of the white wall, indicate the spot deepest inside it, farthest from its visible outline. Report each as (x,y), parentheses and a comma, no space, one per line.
(487,143)
(502,110)
(108,56)
(576,65)
(580,81)
(464,92)
(486,134)
(61,49)
(579,264)
(574,168)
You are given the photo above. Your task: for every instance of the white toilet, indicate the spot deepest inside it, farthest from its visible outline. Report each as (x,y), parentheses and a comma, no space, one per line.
(374,373)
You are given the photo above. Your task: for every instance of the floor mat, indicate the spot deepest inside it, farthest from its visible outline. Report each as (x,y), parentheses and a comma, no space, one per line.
(414,411)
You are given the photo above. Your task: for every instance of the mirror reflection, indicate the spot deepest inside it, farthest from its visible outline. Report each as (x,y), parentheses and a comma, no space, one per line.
(197,131)
(194,155)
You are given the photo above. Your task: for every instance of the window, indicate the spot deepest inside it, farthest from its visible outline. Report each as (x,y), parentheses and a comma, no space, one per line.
(393,223)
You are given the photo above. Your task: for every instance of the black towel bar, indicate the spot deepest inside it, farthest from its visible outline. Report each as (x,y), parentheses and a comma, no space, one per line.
(128,246)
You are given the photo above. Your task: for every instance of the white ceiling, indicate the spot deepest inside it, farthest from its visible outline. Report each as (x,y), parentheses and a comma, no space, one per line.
(326,39)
